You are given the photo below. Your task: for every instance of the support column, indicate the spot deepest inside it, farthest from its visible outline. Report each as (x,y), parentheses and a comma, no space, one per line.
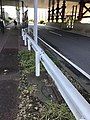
(18,12)
(26,18)
(49,10)
(57,11)
(1,9)
(82,4)
(75,12)
(53,1)
(22,11)
(72,16)
(37,55)
(35,20)
(63,10)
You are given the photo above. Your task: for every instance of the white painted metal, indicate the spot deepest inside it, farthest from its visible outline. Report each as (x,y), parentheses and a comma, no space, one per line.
(29,44)
(34,45)
(82,119)
(67,60)
(18,12)
(22,10)
(37,63)
(35,20)
(22,33)
(25,40)
(76,102)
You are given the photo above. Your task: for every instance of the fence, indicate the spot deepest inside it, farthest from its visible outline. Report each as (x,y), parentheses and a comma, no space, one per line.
(77,104)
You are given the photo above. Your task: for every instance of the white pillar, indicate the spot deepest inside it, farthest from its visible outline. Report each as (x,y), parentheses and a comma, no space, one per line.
(22,10)
(25,40)
(35,20)
(29,45)
(37,55)
(18,12)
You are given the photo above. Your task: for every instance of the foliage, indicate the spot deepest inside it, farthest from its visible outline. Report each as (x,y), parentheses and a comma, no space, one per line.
(6,21)
(10,18)
(42,22)
(27,61)
(55,111)
(32,108)
(31,21)
(52,57)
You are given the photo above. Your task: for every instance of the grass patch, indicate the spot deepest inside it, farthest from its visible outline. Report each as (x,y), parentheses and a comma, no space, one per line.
(27,62)
(55,111)
(30,107)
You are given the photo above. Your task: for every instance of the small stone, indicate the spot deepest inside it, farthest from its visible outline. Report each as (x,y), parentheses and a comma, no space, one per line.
(30,105)
(36,108)
(20,97)
(5,70)
(34,118)
(20,106)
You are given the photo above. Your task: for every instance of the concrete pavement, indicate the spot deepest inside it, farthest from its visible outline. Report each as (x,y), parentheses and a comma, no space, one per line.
(9,74)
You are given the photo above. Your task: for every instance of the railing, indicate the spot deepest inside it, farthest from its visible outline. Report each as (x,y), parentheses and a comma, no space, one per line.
(76,102)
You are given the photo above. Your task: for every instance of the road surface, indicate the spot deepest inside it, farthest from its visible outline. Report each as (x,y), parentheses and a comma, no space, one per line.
(73,46)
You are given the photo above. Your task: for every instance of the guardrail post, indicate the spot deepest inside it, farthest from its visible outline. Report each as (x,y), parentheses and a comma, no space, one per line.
(76,102)
(29,44)
(37,63)
(25,40)
(22,33)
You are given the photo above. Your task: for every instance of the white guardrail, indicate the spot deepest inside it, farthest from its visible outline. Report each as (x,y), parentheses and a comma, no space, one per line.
(76,102)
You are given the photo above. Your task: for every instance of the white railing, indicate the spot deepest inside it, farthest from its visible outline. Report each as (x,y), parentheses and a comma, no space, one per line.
(77,104)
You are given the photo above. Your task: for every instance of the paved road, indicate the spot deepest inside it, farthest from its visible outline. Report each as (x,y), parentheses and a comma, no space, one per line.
(73,46)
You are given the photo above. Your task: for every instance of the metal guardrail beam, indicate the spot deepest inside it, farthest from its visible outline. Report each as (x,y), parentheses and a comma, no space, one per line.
(76,102)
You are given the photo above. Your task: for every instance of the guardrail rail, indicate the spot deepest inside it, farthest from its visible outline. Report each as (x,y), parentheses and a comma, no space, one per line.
(76,102)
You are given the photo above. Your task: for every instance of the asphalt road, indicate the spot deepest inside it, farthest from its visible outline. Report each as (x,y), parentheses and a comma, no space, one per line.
(73,46)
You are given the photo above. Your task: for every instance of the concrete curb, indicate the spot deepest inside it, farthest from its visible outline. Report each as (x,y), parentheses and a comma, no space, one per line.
(57,26)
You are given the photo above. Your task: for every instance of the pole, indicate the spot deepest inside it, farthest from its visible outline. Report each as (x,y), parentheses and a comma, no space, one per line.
(22,11)
(57,12)
(53,1)
(76,12)
(18,12)
(49,10)
(72,16)
(35,20)
(37,56)
(63,10)
(1,9)
(81,7)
